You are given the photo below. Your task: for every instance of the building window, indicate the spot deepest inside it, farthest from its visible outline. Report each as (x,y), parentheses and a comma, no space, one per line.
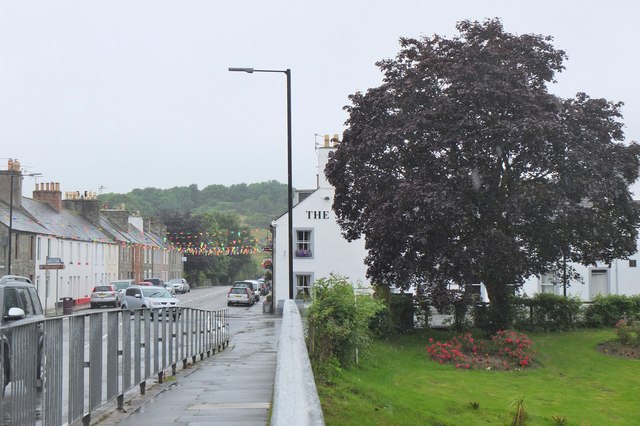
(548,283)
(38,250)
(32,247)
(303,243)
(303,286)
(632,263)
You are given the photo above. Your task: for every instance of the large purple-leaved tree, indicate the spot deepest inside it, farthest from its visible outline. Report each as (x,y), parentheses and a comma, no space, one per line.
(462,167)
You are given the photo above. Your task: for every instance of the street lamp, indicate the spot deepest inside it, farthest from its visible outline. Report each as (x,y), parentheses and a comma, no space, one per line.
(289,184)
(12,173)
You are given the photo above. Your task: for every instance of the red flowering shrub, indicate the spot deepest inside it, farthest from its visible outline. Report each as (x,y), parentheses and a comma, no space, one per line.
(513,348)
(506,350)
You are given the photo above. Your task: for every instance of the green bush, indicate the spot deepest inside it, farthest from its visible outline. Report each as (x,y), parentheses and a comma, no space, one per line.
(381,325)
(401,310)
(338,322)
(550,312)
(628,332)
(606,311)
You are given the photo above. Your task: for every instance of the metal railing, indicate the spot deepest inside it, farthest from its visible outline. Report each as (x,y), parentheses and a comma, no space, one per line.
(62,369)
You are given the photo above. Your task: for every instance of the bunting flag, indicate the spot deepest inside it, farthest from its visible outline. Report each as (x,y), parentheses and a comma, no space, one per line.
(218,243)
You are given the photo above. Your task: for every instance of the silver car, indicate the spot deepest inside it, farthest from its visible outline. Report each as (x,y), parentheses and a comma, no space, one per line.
(149,297)
(180,285)
(121,286)
(104,295)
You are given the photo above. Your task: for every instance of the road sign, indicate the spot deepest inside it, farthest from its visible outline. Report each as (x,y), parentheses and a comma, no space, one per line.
(52,266)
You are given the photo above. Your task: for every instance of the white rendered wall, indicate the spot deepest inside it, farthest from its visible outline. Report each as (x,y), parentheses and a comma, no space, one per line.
(331,252)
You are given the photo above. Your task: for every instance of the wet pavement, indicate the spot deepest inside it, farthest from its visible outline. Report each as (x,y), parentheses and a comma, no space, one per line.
(232,387)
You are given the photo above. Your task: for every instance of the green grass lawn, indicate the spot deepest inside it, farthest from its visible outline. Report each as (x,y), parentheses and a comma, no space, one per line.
(397,384)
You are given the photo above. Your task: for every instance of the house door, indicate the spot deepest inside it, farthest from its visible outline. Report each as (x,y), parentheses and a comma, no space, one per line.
(599,283)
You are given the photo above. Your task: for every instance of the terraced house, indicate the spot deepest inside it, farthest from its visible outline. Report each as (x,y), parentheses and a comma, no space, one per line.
(85,244)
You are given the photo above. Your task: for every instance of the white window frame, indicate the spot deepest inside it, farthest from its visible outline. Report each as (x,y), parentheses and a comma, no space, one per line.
(547,283)
(304,287)
(304,242)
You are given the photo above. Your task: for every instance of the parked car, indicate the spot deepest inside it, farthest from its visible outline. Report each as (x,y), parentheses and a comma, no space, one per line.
(121,286)
(104,295)
(264,289)
(240,295)
(249,284)
(180,285)
(160,283)
(149,297)
(256,289)
(19,304)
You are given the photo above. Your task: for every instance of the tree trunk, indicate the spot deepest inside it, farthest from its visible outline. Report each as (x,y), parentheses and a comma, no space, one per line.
(499,310)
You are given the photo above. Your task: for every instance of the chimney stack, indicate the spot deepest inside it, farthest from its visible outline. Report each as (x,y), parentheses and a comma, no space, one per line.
(11,182)
(119,217)
(85,203)
(330,145)
(49,193)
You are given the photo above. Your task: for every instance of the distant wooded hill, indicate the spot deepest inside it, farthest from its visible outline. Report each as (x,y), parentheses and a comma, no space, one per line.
(257,204)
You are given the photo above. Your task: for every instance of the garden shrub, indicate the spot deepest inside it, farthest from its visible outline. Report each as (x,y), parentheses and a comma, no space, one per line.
(516,314)
(381,325)
(550,312)
(338,322)
(402,310)
(506,350)
(606,311)
(635,307)
(628,332)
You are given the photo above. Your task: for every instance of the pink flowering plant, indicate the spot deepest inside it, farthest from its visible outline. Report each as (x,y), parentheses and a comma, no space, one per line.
(506,350)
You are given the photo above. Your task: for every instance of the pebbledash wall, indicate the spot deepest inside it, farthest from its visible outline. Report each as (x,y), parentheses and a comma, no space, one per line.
(318,246)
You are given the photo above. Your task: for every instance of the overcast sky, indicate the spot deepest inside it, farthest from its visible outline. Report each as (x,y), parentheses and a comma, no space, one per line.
(125,94)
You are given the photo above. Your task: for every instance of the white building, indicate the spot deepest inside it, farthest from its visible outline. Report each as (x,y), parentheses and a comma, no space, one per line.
(620,277)
(318,245)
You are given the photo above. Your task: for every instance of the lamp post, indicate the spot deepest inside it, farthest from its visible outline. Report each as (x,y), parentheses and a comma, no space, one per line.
(12,173)
(287,72)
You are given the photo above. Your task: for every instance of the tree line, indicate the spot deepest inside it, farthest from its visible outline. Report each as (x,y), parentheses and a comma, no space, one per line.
(256,204)
(227,212)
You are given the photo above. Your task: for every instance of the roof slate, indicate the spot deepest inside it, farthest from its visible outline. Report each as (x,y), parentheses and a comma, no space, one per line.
(40,218)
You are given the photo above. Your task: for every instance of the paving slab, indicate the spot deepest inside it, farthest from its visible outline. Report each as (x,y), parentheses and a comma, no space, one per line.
(232,387)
